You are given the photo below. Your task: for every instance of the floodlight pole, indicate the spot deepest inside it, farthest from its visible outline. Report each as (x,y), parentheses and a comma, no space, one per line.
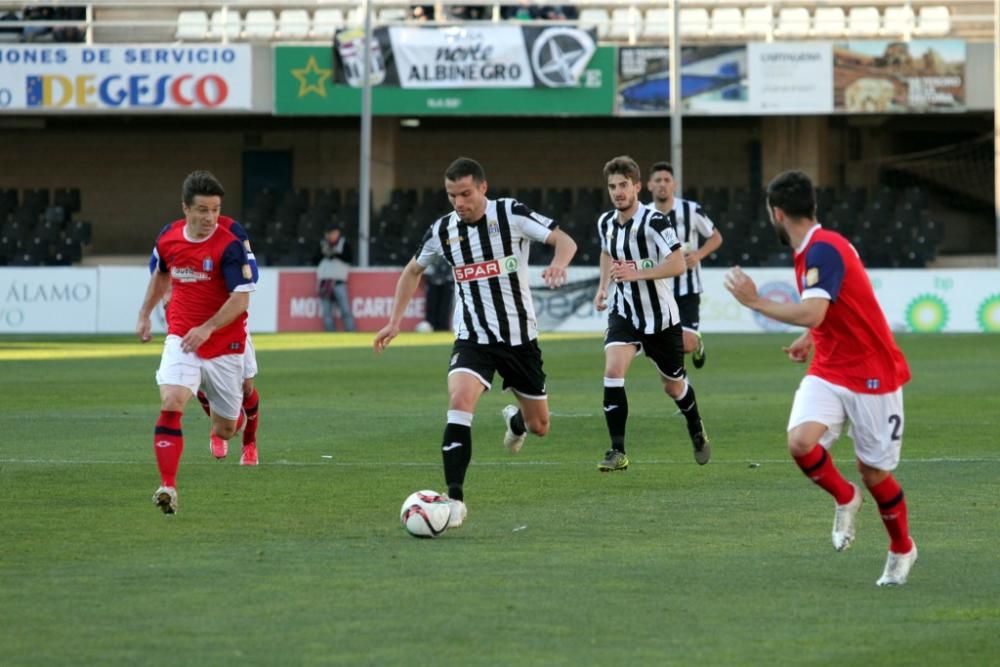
(676,145)
(364,185)
(996,121)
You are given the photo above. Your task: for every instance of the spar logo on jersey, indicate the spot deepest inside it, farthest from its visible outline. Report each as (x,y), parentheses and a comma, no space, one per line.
(491,268)
(187,275)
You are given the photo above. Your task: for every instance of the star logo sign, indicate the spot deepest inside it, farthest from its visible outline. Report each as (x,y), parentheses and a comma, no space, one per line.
(312,78)
(560,55)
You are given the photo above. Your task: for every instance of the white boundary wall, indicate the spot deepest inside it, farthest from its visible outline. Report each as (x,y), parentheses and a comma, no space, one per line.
(106,299)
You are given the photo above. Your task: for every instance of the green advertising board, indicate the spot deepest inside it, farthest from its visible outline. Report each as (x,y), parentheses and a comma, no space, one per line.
(303,86)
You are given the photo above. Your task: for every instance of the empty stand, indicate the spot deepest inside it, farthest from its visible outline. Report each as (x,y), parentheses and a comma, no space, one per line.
(293,24)
(259,24)
(191,25)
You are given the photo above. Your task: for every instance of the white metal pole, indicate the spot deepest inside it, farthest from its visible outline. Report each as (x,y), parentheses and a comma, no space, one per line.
(364,186)
(676,144)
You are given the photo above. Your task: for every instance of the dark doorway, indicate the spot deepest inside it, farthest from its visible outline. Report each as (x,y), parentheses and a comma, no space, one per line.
(266,171)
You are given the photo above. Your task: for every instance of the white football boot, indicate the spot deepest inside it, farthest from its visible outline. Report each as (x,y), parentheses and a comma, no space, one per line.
(897,567)
(458,513)
(512,442)
(166,499)
(843,521)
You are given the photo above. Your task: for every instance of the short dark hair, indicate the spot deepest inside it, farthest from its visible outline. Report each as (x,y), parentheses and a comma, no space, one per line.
(463,167)
(661,166)
(793,193)
(624,165)
(200,183)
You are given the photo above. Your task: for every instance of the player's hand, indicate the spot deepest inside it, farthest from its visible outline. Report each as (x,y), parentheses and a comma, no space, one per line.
(691,259)
(623,272)
(554,276)
(799,350)
(741,286)
(601,300)
(384,337)
(144,329)
(195,337)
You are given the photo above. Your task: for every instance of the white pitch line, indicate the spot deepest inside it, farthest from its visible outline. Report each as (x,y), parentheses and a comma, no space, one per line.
(421,464)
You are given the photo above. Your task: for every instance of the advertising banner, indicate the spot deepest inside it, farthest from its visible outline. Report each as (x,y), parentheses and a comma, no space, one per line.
(306,84)
(40,78)
(906,77)
(466,56)
(759,78)
(371,293)
(43,300)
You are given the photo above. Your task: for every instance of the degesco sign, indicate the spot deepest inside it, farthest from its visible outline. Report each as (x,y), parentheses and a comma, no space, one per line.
(126,77)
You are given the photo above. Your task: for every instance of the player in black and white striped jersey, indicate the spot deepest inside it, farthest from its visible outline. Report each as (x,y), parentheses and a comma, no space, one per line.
(691,224)
(486,242)
(640,252)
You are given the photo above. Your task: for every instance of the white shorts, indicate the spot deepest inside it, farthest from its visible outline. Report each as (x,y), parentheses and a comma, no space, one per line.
(249,360)
(221,378)
(876,420)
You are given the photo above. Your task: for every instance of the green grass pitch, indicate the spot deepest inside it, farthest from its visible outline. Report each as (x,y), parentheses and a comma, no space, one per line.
(302,561)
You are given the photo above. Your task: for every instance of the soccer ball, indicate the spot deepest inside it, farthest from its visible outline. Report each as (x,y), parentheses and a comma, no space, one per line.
(425,513)
(424,327)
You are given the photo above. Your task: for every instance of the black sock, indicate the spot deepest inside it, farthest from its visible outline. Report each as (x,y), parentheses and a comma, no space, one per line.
(456,450)
(616,414)
(689,408)
(517,426)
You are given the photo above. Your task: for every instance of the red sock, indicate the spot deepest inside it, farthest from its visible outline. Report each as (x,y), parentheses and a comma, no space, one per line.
(892,507)
(168,444)
(251,404)
(817,464)
(203,399)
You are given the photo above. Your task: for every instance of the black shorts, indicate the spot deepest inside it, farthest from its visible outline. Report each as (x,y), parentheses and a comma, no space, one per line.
(690,307)
(520,366)
(664,348)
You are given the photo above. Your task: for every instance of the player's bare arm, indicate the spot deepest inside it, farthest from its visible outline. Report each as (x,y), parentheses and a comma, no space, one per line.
(808,313)
(555,274)
(407,284)
(159,285)
(800,348)
(601,297)
(235,305)
(712,243)
(672,265)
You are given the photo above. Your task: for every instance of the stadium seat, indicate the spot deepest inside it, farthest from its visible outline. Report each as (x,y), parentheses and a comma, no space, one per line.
(191,25)
(293,24)
(259,24)
(863,21)
(68,198)
(727,22)
(933,21)
(657,24)
(593,17)
(793,22)
(392,15)
(693,22)
(829,22)
(625,24)
(897,21)
(326,22)
(224,24)
(757,21)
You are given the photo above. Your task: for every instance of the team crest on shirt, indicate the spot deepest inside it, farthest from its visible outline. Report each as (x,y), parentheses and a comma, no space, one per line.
(811,277)
(492,227)
(207,264)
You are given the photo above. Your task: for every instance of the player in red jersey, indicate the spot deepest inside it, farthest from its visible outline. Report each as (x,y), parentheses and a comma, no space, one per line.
(856,375)
(251,398)
(208,273)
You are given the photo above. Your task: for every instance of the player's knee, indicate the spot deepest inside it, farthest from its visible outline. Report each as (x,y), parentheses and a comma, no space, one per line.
(674,388)
(799,446)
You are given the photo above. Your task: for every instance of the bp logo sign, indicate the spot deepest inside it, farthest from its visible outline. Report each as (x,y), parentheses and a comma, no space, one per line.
(989,314)
(928,313)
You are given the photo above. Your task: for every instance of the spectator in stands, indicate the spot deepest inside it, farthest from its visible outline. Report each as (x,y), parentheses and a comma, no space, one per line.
(331,276)
(38,32)
(9,34)
(69,33)
(422,13)
(469,13)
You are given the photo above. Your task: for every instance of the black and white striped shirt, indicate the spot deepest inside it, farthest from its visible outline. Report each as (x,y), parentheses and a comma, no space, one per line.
(647,239)
(490,262)
(691,224)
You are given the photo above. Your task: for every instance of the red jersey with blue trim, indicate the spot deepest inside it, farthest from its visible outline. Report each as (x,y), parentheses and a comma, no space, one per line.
(203,273)
(854,347)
